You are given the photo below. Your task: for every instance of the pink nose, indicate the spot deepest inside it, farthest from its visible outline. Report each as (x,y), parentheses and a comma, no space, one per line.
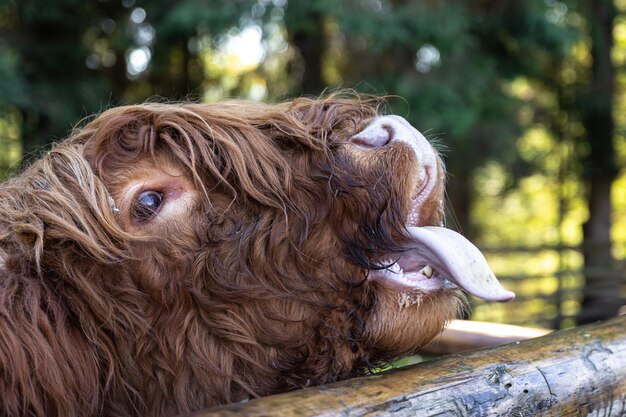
(376,135)
(384,130)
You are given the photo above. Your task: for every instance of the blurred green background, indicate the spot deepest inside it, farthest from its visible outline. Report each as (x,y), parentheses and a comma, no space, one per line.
(525,100)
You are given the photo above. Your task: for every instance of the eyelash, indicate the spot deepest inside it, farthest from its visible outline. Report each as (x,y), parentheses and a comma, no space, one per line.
(142,212)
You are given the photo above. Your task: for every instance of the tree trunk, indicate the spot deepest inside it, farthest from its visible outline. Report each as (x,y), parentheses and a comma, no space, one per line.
(307,34)
(603,283)
(575,372)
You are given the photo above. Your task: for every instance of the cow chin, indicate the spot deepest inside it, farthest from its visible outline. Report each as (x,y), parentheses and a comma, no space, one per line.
(405,321)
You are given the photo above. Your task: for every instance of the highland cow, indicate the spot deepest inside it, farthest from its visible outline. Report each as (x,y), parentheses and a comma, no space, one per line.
(170,257)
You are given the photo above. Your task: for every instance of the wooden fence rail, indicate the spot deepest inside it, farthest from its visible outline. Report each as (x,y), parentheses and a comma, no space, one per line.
(575,372)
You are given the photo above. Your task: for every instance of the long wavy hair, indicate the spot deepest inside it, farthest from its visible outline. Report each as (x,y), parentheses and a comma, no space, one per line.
(258,287)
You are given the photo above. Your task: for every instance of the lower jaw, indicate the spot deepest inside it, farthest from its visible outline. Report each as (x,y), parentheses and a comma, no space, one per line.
(401,327)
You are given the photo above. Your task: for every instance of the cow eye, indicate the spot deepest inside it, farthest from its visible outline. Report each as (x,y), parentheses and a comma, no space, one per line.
(147,205)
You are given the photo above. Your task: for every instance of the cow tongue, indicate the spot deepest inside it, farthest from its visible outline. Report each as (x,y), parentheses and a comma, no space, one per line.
(456,259)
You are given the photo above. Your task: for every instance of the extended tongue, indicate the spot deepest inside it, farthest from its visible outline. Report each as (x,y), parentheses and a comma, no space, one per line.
(458,260)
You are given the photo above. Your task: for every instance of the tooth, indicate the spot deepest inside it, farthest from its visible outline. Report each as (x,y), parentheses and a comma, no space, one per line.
(427,271)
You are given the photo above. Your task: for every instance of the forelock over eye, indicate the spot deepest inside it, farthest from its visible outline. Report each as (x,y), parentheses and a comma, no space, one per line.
(147,205)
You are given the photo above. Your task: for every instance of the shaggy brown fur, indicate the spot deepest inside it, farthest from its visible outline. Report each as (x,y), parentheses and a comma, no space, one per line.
(250,278)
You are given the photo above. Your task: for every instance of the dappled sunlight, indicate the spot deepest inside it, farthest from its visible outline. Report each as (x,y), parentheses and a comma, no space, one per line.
(242,61)
(619,217)
(531,231)
(520,217)
(10,143)
(238,52)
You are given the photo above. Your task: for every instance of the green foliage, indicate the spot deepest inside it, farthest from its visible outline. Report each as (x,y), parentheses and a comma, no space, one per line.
(188,18)
(11,83)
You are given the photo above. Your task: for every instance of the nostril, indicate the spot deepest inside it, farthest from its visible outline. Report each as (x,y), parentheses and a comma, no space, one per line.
(374,136)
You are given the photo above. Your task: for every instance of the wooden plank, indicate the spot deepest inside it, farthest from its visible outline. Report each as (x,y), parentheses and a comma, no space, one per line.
(465,335)
(580,371)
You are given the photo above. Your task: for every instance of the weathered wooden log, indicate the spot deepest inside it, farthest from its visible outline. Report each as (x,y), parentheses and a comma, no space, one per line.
(465,335)
(576,372)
